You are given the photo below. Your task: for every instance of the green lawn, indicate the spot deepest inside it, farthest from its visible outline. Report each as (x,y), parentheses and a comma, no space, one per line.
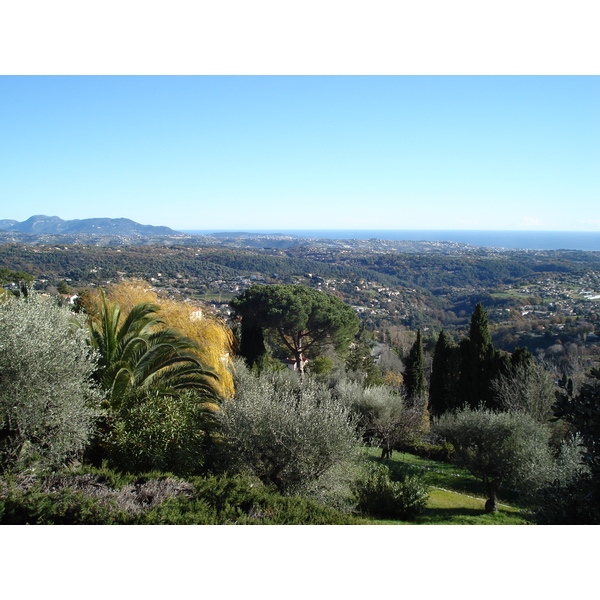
(456,497)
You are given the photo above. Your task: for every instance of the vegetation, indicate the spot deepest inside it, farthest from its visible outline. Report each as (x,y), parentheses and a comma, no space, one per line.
(48,400)
(304,320)
(379,496)
(576,499)
(290,433)
(499,447)
(139,353)
(129,407)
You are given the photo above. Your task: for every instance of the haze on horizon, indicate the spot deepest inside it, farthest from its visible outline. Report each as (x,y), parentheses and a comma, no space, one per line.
(287,152)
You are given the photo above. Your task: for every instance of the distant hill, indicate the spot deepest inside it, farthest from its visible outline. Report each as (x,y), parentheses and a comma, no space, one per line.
(42,224)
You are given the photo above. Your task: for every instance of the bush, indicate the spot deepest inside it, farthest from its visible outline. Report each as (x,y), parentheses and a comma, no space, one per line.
(240,500)
(379,496)
(48,402)
(159,432)
(499,448)
(155,499)
(442,452)
(383,414)
(290,433)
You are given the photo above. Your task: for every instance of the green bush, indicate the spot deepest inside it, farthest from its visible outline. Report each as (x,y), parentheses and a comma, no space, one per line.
(219,500)
(66,507)
(290,433)
(48,402)
(157,500)
(379,496)
(159,432)
(442,452)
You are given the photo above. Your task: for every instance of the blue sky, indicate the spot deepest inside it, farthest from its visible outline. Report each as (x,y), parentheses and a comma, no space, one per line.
(312,152)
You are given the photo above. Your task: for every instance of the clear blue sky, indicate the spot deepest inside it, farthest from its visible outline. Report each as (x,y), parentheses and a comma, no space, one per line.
(294,152)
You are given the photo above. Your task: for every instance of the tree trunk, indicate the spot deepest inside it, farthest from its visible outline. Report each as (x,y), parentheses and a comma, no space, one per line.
(491,489)
(299,362)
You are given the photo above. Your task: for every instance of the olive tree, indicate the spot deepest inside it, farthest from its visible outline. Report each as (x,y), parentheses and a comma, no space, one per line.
(499,447)
(385,417)
(48,401)
(289,432)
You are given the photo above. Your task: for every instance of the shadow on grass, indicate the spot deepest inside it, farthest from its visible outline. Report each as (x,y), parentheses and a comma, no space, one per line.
(468,516)
(439,474)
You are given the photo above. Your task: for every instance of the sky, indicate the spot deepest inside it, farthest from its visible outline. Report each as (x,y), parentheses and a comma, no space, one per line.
(304,152)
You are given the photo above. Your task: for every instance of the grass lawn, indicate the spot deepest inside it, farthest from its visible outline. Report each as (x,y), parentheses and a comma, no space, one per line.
(456,497)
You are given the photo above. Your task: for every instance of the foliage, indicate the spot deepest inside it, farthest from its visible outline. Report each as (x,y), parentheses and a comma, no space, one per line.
(66,507)
(17,277)
(383,415)
(320,365)
(577,500)
(305,319)
(378,495)
(414,376)
(240,500)
(213,340)
(526,387)
(445,370)
(48,402)
(498,447)
(478,362)
(158,499)
(140,353)
(443,451)
(360,361)
(160,432)
(289,432)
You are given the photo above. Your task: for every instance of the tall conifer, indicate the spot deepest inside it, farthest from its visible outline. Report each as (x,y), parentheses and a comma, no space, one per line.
(443,387)
(414,377)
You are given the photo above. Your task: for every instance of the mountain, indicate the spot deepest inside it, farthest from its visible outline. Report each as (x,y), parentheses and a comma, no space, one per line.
(42,224)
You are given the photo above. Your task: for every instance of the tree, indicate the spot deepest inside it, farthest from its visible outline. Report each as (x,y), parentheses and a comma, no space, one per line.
(414,376)
(48,401)
(498,448)
(525,387)
(361,361)
(304,319)
(577,502)
(140,353)
(445,372)
(480,363)
(289,433)
(213,339)
(16,277)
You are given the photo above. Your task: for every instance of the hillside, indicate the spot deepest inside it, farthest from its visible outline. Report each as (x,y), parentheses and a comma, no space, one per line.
(42,224)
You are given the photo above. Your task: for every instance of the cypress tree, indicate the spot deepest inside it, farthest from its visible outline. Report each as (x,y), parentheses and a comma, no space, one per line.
(414,377)
(443,387)
(478,362)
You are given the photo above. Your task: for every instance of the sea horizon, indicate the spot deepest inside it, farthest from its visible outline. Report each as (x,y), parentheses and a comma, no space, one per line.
(507,239)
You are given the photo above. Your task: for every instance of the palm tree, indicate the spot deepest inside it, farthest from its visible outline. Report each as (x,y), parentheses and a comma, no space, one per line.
(142,354)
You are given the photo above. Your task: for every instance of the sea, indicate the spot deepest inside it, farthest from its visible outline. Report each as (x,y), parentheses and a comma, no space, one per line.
(526,240)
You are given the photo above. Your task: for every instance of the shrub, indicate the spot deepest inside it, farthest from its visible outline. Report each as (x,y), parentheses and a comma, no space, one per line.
(156,499)
(48,402)
(383,414)
(159,432)
(442,452)
(240,500)
(289,432)
(379,496)
(499,447)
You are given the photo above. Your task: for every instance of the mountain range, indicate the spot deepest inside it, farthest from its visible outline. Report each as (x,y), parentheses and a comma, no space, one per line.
(42,224)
